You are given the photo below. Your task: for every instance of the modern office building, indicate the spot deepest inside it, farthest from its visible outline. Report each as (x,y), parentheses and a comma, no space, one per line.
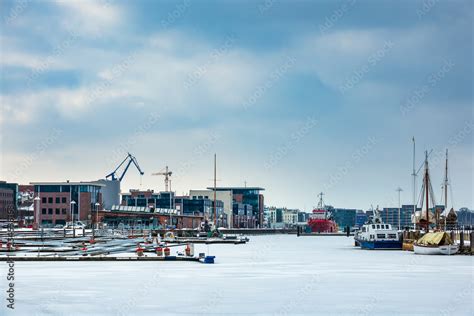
(361,218)
(250,196)
(197,205)
(224,197)
(8,201)
(390,216)
(344,217)
(60,202)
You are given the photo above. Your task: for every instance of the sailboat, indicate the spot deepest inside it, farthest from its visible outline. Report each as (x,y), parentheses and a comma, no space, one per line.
(421,218)
(432,243)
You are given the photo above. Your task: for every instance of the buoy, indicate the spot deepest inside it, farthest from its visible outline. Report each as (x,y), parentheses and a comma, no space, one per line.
(159,251)
(84,248)
(92,241)
(188,250)
(167,252)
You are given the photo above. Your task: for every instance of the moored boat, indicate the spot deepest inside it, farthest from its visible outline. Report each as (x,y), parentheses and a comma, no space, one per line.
(376,235)
(437,243)
(320,221)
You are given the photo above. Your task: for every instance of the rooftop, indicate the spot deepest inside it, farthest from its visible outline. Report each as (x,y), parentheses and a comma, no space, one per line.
(236,188)
(69,183)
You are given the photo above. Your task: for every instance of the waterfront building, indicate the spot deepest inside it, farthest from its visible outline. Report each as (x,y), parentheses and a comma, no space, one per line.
(390,216)
(344,217)
(60,202)
(246,195)
(465,217)
(361,218)
(225,197)
(8,201)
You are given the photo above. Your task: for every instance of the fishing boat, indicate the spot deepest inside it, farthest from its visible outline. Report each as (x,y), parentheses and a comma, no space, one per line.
(375,234)
(320,221)
(437,243)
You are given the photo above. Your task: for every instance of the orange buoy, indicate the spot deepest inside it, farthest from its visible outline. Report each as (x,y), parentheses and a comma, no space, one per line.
(167,251)
(159,251)
(188,250)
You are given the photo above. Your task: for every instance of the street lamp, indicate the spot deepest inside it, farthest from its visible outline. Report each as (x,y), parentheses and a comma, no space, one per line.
(97,214)
(73,203)
(37,199)
(399,190)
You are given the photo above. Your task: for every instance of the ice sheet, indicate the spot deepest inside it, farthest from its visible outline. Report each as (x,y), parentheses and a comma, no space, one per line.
(271,275)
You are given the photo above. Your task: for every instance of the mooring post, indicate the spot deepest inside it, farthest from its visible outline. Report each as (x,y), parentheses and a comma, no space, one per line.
(461,241)
(453,236)
(64,232)
(83,231)
(472,242)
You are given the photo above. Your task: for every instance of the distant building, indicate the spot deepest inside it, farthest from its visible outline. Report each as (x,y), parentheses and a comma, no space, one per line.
(390,216)
(8,201)
(361,218)
(55,199)
(224,196)
(344,217)
(26,207)
(245,195)
(196,205)
(465,217)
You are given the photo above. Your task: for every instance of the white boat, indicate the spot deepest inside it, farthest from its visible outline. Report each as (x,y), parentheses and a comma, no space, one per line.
(437,250)
(437,243)
(376,235)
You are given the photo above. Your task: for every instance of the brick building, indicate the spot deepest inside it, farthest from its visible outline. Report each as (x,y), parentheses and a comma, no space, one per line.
(54,205)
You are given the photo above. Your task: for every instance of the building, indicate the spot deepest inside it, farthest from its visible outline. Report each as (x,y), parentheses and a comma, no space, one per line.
(390,216)
(344,217)
(8,201)
(60,202)
(25,200)
(197,205)
(465,218)
(224,196)
(361,218)
(250,196)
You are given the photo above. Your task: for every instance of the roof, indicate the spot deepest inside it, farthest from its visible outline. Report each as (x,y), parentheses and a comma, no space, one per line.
(236,188)
(69,183)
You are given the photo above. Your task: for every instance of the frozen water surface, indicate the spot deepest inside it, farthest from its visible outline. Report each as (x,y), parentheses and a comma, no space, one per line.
(271,275)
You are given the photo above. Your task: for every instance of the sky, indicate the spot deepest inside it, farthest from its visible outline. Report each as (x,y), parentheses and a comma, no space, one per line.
(297,97)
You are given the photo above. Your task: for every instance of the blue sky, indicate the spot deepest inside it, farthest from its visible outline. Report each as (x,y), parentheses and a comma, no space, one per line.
(296,97)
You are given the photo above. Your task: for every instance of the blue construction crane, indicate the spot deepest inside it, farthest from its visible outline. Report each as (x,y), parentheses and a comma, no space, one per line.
(130,159)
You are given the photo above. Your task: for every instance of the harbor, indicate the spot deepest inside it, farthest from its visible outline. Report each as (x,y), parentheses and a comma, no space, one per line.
(284,272)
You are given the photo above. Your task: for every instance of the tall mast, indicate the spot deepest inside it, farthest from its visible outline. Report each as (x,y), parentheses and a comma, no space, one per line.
(427,185)
(446,191)
(414,185)
(215,205)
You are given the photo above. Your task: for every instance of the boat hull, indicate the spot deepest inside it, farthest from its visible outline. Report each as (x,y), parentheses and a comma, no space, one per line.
(437,250)
(381,244)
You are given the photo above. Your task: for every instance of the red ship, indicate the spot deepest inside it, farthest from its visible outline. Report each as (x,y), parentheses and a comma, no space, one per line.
(320,220)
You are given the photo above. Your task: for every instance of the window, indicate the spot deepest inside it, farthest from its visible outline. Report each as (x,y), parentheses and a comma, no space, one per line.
(364,229)
(63,211)
(43,211)
(381,236)
(64,200)
(57,211)
(50,211)
(43,200)
(392,236)
(373,226)
(378,226)
(50,200)
(58,200)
